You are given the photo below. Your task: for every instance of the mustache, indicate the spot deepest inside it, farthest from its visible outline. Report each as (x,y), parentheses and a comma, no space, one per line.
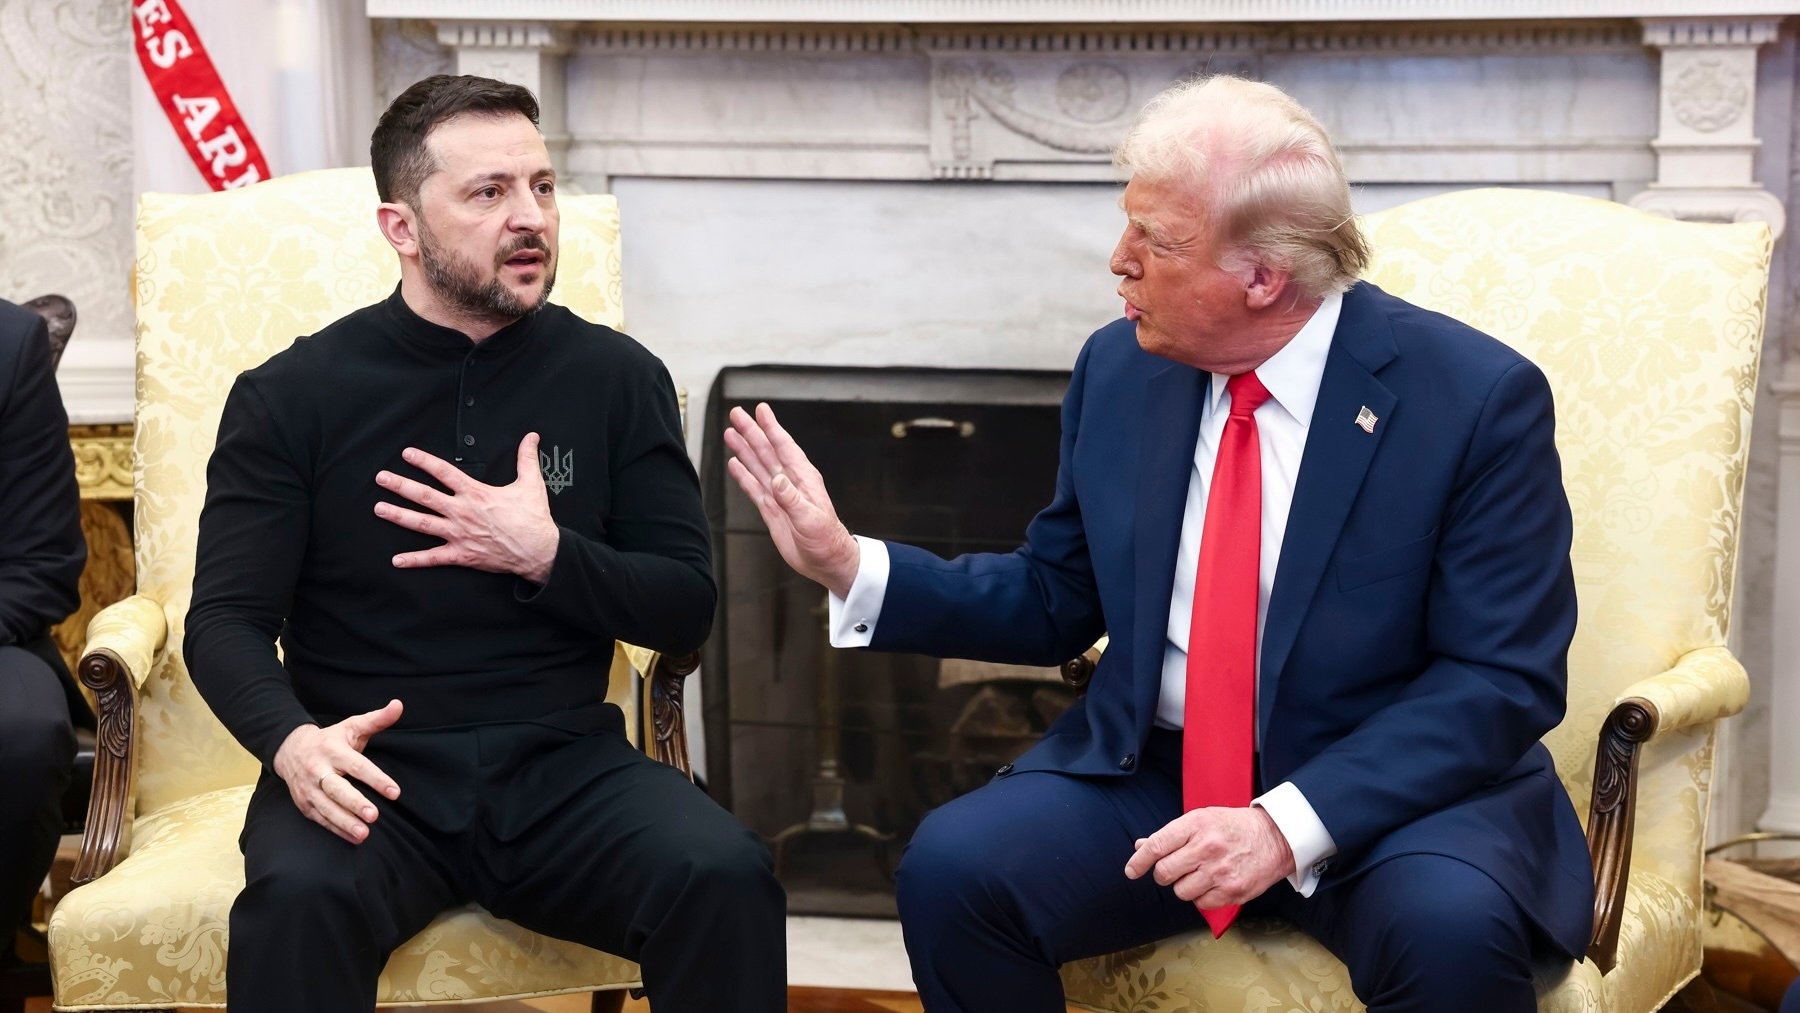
(521,245)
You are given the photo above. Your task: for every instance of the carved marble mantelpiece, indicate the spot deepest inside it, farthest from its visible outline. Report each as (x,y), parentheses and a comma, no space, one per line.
(1654,100)
(1706,146)
(1060,11)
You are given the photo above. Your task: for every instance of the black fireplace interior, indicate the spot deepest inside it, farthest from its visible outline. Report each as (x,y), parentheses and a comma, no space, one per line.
(834,756)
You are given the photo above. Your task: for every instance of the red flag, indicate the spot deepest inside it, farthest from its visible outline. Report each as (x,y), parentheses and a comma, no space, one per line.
(195,99)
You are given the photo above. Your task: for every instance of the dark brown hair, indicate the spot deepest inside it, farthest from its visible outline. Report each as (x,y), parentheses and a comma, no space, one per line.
(397,148)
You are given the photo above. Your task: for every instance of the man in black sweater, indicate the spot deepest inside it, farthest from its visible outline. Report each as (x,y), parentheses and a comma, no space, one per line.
(448,506)
(41,555)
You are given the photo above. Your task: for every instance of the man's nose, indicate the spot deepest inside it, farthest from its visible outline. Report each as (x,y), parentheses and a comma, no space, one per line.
(1123,263)
(527,215)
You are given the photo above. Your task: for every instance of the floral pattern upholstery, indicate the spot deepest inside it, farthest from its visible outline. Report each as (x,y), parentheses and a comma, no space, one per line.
(222,282)
(1650,331)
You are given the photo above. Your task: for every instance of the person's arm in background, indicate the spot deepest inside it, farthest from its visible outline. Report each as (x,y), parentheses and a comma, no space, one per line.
(41,547)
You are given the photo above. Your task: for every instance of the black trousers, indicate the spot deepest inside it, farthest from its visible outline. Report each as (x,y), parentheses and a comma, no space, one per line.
(568,831)
(37,747)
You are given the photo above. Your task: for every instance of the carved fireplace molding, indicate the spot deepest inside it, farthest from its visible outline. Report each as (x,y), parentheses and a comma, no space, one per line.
(1044,89)
(1062,11)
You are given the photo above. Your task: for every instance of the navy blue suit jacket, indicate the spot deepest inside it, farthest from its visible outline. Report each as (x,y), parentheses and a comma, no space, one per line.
(1415,647)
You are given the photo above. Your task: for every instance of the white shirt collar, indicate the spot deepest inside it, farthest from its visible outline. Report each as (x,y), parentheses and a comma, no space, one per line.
(1293,374)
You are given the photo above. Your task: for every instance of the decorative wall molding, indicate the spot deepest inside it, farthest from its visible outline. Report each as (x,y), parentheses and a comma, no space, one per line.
(706,41)
(526,53)
(1710,94)
(1711,32)
(1714,204)
(1706,145)
(405,52)
(833,40)
(1066,11)
(504,35)
(1043,107)
(1043,102)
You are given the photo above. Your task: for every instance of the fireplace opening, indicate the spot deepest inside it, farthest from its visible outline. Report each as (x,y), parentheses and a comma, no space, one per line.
(834,756)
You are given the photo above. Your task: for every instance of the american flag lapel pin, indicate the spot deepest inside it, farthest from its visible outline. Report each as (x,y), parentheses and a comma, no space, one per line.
(1366,419)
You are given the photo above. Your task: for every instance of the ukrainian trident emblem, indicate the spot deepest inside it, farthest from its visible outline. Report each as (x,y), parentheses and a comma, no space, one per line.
(558,468)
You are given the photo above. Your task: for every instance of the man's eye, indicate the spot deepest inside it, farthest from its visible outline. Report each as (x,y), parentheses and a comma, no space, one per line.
(545,189)
(488,191)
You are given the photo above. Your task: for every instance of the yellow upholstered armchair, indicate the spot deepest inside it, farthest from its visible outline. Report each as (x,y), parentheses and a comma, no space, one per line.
(223,282)
(1650,332)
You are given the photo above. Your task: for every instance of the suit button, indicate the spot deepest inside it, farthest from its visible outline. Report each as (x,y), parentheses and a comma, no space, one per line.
(1005,768)
(1128,761)
(861,627)
(468,441)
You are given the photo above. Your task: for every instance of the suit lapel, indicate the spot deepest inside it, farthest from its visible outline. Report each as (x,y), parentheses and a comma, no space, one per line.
(1332,467)
(1173,399)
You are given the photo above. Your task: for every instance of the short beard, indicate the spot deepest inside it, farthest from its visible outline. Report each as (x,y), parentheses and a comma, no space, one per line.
(458,284)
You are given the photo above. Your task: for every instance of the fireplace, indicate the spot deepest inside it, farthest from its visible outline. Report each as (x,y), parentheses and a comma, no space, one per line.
(834,756)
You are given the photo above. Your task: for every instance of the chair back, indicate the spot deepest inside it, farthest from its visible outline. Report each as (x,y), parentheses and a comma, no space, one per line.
(1650,331)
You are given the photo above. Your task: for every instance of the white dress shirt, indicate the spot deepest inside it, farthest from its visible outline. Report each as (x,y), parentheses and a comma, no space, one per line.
(1292,376)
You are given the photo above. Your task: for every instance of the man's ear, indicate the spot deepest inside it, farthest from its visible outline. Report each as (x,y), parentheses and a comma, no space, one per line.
(1265,286)
(400,225)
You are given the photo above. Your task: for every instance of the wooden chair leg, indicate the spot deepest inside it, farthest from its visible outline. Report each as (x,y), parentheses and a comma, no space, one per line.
(610,1001)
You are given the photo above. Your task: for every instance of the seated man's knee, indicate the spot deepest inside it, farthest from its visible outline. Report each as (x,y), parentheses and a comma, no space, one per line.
(732,867)
(948,865)
(306,886)
(1449,922)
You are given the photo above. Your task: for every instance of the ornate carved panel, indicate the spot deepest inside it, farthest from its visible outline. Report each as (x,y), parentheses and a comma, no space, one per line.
(1011,113)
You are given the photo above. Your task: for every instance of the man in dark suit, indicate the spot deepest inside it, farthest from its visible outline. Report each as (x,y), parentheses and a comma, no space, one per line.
(1327,534)
(41,555)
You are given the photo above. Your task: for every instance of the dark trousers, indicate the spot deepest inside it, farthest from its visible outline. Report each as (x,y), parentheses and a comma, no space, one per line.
(569,832)
(1001,886)
(37,747)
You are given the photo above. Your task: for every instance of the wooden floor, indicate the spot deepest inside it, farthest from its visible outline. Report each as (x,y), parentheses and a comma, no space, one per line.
(800,1000)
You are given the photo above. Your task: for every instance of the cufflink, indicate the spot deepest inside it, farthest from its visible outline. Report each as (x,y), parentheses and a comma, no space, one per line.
(1319,867)
(861,627)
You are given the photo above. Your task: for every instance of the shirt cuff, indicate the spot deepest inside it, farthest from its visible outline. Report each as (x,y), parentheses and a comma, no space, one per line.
(853,616)
(1306,835)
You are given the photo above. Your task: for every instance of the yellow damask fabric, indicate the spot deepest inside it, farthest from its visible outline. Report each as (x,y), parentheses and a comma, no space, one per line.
(133,630)
(1650,331)
(222,282)
(1705,686)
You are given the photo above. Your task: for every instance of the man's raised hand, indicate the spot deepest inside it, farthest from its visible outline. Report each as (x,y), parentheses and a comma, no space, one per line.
(789,494)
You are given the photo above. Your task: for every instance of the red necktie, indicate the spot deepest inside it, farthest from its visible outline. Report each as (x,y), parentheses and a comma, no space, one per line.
(1220,715)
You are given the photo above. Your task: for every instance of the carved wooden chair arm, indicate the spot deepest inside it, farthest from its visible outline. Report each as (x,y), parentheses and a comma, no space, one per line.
(124,640)
(664,705)
(1703,686)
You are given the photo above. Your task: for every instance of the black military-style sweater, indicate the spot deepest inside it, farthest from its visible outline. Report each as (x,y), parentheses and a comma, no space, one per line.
(290,546)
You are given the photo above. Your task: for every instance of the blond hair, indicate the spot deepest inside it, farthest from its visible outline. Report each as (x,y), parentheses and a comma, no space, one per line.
(1271,179)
